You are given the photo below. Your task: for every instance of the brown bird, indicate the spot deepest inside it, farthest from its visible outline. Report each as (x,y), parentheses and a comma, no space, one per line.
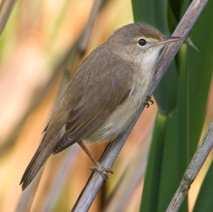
(102,97)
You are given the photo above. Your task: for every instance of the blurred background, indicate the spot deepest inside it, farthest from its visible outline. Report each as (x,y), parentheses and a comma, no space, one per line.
(35,59)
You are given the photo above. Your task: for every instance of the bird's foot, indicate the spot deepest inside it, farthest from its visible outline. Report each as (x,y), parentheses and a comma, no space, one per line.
(101,170)
(148,101)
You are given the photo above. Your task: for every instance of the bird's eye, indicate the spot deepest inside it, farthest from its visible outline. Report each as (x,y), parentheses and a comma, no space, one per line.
(142,42)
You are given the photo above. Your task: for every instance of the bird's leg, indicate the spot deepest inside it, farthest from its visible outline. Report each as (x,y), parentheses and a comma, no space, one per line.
(148,101)
(98,167)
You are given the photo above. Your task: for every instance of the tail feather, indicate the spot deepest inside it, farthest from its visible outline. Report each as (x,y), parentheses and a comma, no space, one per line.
(39,158)
(52,135)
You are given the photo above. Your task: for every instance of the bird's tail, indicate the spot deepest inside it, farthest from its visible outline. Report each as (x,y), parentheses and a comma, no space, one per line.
(39,158)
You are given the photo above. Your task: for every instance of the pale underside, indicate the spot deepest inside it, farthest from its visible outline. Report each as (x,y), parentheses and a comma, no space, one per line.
(122,116)
(101,99)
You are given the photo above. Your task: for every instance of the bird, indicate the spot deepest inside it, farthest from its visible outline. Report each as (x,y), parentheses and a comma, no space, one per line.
(102,97)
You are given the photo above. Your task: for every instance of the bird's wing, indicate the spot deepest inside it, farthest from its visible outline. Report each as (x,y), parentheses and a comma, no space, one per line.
(102,83)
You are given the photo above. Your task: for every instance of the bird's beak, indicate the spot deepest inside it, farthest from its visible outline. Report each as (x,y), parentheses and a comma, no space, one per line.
(169,40)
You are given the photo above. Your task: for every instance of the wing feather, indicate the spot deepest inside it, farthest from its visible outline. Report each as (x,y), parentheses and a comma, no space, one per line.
(102,83)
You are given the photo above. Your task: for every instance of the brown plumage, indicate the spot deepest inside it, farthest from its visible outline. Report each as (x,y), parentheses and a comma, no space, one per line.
(80,117)
(102,97)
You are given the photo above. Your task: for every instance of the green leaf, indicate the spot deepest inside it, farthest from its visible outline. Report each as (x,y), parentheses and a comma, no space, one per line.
(151,184)
(204,201)
(173,164)
(178,7)
(148,11)
(182,97)
(195,79)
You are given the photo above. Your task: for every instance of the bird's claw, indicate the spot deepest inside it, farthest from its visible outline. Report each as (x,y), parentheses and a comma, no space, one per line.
(148,101)
(101,170)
